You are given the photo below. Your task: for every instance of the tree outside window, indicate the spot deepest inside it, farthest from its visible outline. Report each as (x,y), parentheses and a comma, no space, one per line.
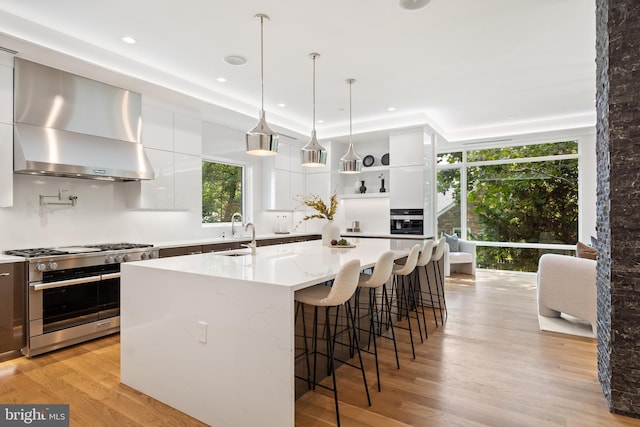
(222,191)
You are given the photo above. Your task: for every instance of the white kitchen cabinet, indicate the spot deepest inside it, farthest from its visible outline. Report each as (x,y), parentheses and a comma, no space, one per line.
(158,193)
(188,182)
(187,134)
(296,189)
(407,148)
(157,128)
(408,190)
(6,93)
(276,191)
(318,184)
(6,165)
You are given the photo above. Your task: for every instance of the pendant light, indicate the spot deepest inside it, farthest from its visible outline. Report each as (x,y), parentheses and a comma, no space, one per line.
(313,154)
(261,140)
(350,162)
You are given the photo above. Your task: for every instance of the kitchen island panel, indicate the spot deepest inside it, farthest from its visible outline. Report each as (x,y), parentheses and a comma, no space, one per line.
(240,376)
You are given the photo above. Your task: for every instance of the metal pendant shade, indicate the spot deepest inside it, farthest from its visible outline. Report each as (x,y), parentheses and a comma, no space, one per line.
(313,154)
(261,140)
(350,162)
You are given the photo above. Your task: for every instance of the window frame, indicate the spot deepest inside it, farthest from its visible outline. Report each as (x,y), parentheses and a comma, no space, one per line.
(244,202)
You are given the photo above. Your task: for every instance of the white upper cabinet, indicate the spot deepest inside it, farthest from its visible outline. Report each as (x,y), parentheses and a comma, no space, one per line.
(157,128)
(6,93)
(188,182)
(406,148)
(282,179)
(6,129)
(187,137)
(157,193)
(408,187)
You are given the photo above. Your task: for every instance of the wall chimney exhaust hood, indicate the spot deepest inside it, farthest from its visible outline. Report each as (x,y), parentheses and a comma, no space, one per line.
(67,125)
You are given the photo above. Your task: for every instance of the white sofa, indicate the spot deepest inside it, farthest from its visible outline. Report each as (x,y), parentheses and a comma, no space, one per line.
(463,261)
(567,285)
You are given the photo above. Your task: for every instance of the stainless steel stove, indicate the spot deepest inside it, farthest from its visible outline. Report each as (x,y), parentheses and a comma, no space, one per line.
(74,292)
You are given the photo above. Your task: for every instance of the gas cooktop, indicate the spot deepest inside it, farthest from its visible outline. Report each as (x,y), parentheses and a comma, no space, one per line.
(68,250)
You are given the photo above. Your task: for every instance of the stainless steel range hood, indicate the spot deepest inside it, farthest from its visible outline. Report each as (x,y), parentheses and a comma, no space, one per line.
(67,125)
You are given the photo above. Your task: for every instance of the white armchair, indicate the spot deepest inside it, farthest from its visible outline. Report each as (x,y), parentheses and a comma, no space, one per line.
(567,285)
(462,261)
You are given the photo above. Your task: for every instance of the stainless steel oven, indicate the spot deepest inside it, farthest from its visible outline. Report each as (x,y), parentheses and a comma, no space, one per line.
(74,293)
(407,221)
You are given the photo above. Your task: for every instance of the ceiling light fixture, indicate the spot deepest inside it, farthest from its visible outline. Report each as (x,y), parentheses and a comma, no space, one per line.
(129,40)
(350,162)
(413,4)
(236,60)
(261,140)
(221,79)
(314,154)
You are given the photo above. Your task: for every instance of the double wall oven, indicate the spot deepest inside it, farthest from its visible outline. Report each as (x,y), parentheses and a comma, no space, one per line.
(73,293)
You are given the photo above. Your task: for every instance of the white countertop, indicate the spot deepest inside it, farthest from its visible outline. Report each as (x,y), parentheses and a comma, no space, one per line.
(293,265)
(10,258)
(217,240)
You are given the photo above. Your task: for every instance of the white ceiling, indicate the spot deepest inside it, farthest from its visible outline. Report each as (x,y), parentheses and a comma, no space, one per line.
(469,68)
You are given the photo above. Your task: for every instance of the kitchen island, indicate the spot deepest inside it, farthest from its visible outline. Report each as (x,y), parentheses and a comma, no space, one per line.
(212,334)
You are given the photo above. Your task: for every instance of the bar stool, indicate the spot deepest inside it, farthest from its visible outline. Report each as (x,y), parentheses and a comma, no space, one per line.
(404,271)
(343,288)
(378,280)
(426,253)
(438,253)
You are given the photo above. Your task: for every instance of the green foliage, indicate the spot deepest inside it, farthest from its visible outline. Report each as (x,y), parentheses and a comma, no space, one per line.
(535,201)
(221,191)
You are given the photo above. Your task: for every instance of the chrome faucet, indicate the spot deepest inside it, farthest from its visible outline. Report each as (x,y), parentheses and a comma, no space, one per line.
(233,222)
(251,245)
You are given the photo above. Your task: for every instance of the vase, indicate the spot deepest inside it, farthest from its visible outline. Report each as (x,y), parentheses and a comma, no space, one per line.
(330,231)
(382,189)
(363,189)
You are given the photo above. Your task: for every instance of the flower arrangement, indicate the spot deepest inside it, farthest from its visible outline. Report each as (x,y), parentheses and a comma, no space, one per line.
(323,210)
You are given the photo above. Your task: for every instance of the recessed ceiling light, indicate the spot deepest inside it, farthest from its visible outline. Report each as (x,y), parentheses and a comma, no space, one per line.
(413,4)
(510,117)
(391,109)
(129,40)
(235,60)
(221,79)
(320,121)
(281,105)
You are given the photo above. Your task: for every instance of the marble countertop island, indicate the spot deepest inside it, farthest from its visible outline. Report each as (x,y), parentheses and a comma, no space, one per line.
(212,334)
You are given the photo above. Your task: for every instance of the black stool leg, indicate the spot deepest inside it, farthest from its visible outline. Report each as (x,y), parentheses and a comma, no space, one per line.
(372,334)
(353,325)
(331,365)
(433,307)
(393,334)
(406,302)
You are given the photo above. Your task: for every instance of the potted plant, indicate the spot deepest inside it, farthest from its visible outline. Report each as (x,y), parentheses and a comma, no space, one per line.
(330,231)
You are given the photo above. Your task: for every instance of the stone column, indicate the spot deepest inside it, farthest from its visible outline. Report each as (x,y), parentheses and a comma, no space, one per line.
(618,205)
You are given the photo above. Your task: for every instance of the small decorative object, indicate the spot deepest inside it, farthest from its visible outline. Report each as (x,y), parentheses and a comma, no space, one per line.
(368,160)
(331,230)
(342,243)
(382,189)
(385,159)
(363,189)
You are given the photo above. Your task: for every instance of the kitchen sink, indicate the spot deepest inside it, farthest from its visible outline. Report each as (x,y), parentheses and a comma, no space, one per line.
(235,253)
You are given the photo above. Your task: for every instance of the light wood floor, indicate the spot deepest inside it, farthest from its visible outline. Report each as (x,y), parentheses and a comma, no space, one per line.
(488,366)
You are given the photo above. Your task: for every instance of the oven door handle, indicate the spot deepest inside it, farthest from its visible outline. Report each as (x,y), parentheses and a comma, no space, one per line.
(110,276)
(70,282)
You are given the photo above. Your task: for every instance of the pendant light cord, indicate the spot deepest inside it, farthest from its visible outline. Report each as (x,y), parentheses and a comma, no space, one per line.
(262,63)
(350,120)
(313,125)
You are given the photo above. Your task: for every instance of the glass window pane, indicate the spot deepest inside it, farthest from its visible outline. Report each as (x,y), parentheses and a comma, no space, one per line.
(221,191)
(514,259)
(449,158)
(524,202)
(523,151)
(448,201)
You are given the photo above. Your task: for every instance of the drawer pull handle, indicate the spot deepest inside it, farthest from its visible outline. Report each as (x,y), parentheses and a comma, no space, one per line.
(5,274)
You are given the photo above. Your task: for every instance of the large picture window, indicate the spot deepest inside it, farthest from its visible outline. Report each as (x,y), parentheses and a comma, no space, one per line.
(222,191)
(521,201)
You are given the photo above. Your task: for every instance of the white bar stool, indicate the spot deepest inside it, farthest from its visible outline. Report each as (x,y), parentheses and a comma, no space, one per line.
(378,280)
(423,261)
(438,253)
(402,292)
(341,291)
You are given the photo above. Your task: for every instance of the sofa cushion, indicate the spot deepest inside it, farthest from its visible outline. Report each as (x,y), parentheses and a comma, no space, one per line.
(453,242)
(460,257)
(585,251)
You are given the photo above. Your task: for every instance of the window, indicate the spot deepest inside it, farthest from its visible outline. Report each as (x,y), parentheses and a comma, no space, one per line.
(222,191)
(521,200)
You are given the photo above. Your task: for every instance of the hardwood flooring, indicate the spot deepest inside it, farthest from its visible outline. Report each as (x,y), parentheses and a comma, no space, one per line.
(489,365)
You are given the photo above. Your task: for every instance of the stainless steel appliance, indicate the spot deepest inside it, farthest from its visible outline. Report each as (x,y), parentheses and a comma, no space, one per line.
(68,125)
(74,292)
(407,221)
